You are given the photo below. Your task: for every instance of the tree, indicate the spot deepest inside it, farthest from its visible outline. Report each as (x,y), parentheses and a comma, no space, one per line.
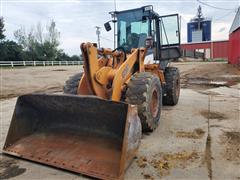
(34,45)
(2,36)
(75,58)
(62,56)
(52,41)
(20,36)
(53,34)
(38,46)
(39,33)
(10,51)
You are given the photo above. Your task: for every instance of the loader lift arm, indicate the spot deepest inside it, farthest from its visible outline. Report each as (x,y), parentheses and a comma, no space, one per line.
(107,82)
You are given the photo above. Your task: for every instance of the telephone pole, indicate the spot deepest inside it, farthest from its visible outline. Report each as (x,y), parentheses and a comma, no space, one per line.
(98,34)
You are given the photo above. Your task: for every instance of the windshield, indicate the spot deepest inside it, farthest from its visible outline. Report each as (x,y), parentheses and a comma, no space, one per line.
(132,31)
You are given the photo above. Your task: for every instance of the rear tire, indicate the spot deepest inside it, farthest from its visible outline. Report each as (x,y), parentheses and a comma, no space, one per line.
(144,90)
(72,83)
(172,87)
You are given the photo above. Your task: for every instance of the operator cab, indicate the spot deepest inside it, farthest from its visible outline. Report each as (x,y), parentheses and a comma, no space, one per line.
(141,26)
(132,29)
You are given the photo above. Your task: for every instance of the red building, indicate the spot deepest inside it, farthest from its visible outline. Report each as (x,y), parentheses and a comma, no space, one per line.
(218,49)
(234,40)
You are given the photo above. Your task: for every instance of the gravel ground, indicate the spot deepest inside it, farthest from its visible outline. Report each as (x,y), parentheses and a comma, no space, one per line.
(197,139)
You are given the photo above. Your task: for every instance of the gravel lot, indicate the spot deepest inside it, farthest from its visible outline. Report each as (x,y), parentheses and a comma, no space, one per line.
(197,139)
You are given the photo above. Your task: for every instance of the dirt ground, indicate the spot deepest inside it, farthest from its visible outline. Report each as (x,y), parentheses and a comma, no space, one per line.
(15,82)
(197,139)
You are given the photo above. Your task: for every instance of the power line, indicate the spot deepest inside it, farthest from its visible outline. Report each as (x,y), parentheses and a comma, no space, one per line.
(214,6)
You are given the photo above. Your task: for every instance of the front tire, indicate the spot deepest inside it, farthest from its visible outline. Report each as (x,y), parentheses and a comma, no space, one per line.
(144,90)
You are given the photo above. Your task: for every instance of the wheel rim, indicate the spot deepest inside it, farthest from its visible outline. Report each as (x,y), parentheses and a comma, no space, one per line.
(154,105)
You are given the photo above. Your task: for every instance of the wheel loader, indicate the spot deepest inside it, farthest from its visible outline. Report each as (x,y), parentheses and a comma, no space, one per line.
(95,127)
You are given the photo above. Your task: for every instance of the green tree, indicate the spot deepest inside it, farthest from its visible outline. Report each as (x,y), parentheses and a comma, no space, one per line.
(52,41)
(75,58)
(2,36)
(10,51)
(62,56)
(38,46)
(53,35)
(35,45)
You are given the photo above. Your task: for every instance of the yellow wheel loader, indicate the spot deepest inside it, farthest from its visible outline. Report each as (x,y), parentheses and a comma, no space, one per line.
(95,127)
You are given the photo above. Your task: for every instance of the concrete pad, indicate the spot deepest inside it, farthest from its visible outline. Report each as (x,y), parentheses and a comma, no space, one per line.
(183,117)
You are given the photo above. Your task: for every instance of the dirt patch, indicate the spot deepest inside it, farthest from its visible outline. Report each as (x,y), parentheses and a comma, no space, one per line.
(7,96)
(203,83)
(196,134)
(147,176)
(215,126)
(51,89)
(59,70)
(231,140)
(208,75)
(142,162)
(45,89)
(164,162)
(9,169)
(208,156)
(213,115)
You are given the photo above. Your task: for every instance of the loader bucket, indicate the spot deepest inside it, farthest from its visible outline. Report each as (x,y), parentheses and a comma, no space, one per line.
(84,134)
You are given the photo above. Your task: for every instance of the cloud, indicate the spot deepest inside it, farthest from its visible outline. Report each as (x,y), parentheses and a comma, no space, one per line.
(76,19)
(222,29)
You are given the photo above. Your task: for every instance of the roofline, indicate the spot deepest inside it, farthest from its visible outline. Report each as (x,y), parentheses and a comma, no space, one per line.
(238,28)
(235,18)
(206,20)
(128,10)
(133,9)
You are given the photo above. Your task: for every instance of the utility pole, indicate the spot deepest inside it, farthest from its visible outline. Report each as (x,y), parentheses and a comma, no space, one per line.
(114,20)
(98,34)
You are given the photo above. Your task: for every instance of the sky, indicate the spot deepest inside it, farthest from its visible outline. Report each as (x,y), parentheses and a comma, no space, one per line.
(76,19)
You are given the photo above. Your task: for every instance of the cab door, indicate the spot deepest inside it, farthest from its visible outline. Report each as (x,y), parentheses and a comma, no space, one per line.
(169,37)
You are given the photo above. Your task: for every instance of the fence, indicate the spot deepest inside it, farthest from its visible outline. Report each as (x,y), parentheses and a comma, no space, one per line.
(38,63)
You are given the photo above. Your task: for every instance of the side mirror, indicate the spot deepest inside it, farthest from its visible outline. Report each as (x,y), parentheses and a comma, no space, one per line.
(107,26)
